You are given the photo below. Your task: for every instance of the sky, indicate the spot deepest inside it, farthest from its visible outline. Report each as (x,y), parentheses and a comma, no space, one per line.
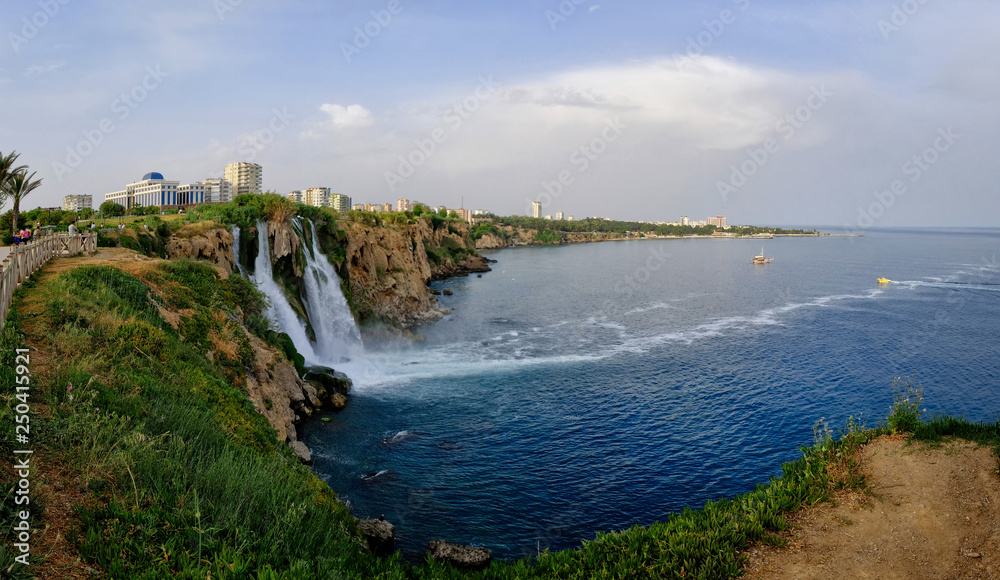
(851,114)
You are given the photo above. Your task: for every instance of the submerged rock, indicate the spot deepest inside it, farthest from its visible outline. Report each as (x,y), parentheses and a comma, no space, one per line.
(465,557)
(380,536)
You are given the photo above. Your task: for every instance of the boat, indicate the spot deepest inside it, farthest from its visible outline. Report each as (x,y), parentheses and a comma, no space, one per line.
(760,259)
(884,281)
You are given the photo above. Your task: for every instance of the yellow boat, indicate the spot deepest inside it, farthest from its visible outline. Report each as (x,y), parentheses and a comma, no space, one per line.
(884,281)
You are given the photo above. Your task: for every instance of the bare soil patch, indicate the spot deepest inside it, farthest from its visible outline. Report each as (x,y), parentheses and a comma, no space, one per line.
(931,512)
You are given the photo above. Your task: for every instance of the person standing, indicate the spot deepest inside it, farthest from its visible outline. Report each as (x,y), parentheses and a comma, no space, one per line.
(72,229)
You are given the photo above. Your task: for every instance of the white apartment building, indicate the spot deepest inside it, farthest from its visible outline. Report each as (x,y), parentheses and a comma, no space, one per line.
(403,204)
(245,177)
(359,207)
(316,196)
(154,190)
(78,202)
(295,196)
(536,209)
(718,221)
(217,190)
(340,202)
(559,215)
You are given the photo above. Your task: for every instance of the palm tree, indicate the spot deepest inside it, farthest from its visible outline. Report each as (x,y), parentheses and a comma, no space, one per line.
(7,171)
(19,186)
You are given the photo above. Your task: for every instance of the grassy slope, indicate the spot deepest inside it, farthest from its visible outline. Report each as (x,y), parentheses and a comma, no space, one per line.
(182,478)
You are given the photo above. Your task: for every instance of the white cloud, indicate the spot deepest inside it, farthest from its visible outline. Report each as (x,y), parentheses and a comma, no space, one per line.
(350,116)
(595,7)
(37,69)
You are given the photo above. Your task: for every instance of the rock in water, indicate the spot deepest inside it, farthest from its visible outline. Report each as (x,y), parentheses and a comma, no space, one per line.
(331,380)
(380,535)
(465,557)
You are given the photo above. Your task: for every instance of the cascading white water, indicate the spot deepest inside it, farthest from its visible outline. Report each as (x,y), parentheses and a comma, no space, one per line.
(337,334)
(280,310)
(236,251)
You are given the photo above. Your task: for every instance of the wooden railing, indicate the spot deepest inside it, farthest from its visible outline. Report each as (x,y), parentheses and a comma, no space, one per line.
(24,259)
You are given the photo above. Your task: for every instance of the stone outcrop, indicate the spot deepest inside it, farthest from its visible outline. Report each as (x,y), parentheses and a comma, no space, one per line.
(284,399)
(387,269)
(212,244)
(284,242)
(380,536)
(465,557)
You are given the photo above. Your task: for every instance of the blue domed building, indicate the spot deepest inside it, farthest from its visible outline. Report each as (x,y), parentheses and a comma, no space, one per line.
(154,190)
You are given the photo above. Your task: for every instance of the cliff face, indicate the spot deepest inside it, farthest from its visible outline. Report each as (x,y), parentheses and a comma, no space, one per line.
(214,245)
(526,237)
(387,269)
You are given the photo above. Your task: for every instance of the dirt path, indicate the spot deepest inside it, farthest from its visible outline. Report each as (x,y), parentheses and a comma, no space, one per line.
(933,513)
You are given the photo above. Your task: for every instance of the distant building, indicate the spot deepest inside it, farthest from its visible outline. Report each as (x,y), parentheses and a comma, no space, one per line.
(570,219)
(245,177)
(340,202)
(316,196)
(685,221)
(465,214)
(217,190)
(358,206)
(403,204)
(441,208)
(559,215)
(536,209)
(479,212)
(718,221)
(548,217)
(78,202)
(154,190)
(387,207)
(295,196)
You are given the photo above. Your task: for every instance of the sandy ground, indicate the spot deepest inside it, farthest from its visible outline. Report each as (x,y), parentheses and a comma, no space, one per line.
(932,513)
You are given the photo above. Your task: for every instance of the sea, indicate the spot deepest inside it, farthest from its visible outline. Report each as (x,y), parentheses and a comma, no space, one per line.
(589,388)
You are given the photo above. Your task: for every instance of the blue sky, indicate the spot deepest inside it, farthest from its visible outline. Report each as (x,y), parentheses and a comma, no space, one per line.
(644,110)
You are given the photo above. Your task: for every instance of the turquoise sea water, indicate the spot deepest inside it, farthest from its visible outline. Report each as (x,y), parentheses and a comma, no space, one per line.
(589,388)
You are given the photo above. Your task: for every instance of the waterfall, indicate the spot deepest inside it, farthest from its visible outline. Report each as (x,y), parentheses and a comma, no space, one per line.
(236,251)
(332,321)
(337,335)
(280,311)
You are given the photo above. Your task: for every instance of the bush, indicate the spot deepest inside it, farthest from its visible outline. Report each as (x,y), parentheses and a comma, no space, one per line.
(907,397)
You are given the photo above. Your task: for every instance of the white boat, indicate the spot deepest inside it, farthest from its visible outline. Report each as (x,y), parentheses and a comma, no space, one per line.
(760,259)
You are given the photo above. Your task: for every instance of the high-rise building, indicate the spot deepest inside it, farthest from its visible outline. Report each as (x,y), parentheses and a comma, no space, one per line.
(154,190)
(536,209)
(316,196)
(78,202)
(718,221)
(340,202)
(570,219)
(559,215)
(295,196)
(217,190)
(402,204)
(245,177)
(685,221)
(387,207)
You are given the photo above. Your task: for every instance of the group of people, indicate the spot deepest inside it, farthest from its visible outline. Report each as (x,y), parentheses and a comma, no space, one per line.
(22,236)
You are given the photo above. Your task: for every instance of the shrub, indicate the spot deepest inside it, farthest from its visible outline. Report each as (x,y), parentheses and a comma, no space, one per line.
(907,397)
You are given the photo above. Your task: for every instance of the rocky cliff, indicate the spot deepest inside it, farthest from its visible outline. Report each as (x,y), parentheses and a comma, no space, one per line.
(387,269)
(204,242)
(512,237)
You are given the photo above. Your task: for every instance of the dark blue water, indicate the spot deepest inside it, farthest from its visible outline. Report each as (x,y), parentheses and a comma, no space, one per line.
(590,388)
